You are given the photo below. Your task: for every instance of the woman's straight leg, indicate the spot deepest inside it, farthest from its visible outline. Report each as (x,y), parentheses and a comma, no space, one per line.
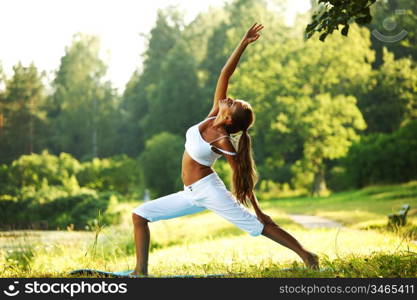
(218,199)
(279,235)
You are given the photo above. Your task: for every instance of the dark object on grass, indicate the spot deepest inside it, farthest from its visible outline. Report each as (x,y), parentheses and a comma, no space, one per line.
(399,219)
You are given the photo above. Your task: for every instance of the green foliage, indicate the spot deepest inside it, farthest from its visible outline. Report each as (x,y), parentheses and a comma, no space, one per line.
(383,158)
(330,14)
(42,191)
(21,113)
(222,168)
(391,101)
(82,104)
(80,211)
(327,125)
(118,173)
(143,87)
(36,169)
(401,17)
(161,164)
(283,80)
(171,94)
(338,179)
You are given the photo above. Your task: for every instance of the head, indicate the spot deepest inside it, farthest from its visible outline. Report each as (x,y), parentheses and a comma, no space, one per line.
(237,116)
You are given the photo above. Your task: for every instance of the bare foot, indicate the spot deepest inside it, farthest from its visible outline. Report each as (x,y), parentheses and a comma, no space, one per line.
(136,273)
(311,260)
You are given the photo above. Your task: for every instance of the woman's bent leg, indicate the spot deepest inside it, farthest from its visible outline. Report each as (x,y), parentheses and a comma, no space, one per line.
(142,238)
(166,207)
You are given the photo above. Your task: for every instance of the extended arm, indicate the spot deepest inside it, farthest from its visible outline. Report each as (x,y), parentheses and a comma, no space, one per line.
(222,83)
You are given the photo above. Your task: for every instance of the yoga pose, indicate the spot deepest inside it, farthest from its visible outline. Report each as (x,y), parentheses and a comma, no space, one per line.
(203,188)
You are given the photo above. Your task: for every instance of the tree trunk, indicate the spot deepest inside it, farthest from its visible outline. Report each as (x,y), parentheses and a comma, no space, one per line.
(319,184)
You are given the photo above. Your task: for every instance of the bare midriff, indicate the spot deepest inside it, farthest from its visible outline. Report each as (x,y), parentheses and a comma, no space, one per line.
(192,171)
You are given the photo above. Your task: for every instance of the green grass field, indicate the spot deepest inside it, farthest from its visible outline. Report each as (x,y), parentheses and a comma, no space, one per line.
(204,243)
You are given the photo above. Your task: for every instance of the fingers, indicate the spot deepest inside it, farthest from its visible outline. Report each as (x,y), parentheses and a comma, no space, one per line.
(257,27)
(253,33)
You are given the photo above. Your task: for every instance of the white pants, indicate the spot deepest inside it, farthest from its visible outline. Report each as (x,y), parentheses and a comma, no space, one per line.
(208,192)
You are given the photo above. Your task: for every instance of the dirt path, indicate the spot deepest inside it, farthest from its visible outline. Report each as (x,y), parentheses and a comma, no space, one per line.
(314,221)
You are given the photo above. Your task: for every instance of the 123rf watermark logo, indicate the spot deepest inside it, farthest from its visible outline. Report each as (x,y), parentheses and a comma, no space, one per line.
(71,289)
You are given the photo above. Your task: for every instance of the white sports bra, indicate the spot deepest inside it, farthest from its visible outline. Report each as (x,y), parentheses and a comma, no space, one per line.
(199,149)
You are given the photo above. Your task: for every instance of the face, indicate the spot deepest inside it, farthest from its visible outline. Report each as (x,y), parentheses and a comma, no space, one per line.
(228,106)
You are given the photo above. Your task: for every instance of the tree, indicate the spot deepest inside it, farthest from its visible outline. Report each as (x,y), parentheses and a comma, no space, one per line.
(381,158)
(22,117)
(177,103)
(142,87)
(391,102)
(82,106)
(327,126)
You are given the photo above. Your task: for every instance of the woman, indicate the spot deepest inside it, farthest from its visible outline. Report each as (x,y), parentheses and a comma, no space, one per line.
(203,188)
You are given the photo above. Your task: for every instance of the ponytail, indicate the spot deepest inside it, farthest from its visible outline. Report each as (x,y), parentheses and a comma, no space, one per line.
(245,176)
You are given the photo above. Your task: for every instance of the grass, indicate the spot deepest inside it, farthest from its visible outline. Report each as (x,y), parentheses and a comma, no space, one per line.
(204,243)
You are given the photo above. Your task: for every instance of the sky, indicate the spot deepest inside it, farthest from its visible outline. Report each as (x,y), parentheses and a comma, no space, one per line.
(39,30)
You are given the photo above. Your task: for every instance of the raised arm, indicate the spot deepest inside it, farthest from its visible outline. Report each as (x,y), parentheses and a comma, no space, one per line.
(222,83)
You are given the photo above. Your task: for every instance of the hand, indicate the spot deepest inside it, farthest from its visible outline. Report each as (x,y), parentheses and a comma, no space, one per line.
(252,34)
(265,219)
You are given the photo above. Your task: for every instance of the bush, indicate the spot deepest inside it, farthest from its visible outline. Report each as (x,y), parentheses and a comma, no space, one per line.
(119,173)
(35,169)
(383,158)
(268,189)
(161,164)
(80,211)
(338,179)
(42,191)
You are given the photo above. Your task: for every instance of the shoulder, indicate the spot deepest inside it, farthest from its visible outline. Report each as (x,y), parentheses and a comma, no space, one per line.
(225,143)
